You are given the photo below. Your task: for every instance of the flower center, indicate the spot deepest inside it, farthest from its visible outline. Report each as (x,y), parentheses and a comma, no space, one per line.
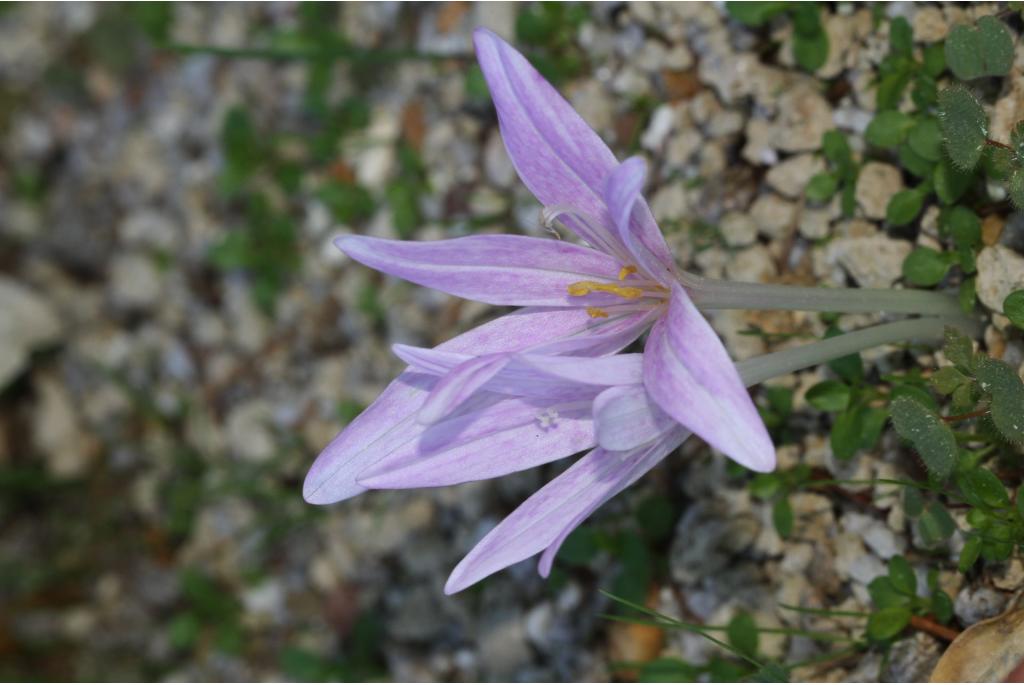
(634,291)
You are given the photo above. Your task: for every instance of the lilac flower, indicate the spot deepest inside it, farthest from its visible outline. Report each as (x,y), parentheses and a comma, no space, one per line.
(536,385)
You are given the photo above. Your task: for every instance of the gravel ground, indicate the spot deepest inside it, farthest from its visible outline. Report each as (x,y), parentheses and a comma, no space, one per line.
(179,339)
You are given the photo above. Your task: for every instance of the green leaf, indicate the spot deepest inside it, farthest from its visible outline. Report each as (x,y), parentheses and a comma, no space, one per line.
(963,225)
(668,670)
(1001,382)
(981,487)
(901,37)
(1013,307)
(821,187)
(913,503)
(873,420)
(902,576)
(983,50)
(884,594)
(931,437)
(810,42)
(964,126)
(967,293)
(782,517)
(1017,139)
(755,13)
(765,485)
(950,182)
(183,630)
(771,673)
(925,266)
(997,545)
(847,431)
(829,396)
(904,207)
(348,202)
(934,59)
(926,139)
(742,633)
(969,554)
(836,149)
(580,547)
(942,606)
(243,148)
(959,349)
(925,92)
(656,517)
(403,198)
(947,379)
(849,367)
(887,623)
(917,393)
(1015,188)
(936,525)
(915,163)
(1020,503)
(888,129)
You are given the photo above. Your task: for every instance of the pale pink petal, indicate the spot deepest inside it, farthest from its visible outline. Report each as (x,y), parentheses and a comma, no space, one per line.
(541,520)
(385,423)
(497,269)
(459,384)
(503,437)
(642,238)
(627,417)
(689,374)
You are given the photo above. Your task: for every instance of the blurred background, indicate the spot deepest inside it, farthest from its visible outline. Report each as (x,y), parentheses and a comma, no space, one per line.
(179,338)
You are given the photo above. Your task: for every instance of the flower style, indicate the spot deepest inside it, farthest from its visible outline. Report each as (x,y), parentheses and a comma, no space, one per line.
(537,385)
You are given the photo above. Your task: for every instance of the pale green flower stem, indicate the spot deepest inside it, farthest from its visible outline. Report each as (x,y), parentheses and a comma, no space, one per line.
(709,293)
(925,330)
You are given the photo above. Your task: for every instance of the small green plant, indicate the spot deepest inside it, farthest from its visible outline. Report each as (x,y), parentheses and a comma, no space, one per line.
(896,599)
(810,41)
(840,177)
(987,396)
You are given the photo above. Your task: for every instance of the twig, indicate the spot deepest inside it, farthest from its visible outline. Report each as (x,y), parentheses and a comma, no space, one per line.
(932,628)
(964,417)
(996,143)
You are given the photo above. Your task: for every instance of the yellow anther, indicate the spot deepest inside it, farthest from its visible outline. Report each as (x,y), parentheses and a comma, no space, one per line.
(597,313)
(586,287)
(625,271)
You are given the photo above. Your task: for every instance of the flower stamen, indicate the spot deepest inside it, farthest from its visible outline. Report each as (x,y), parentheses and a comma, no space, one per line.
(625,271)
(597,313)
(581,288)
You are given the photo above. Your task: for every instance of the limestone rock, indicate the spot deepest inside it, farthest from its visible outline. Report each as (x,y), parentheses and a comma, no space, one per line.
(1000,272)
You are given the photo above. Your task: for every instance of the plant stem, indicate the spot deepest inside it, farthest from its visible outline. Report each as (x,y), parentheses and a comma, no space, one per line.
(715,294)
(926,329)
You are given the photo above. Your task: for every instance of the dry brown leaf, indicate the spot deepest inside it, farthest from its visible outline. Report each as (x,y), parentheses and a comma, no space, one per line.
(988,652)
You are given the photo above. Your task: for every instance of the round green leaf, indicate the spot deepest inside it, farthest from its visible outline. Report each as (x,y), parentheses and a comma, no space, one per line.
(902,575)
(963,225)
(904,207)
(742,633)
(887,623)
(888,128)
(1015,187)
(964,126)
(925,266)
(969,554)
(1013,307)
(821,187)
(1001,382)
(782,517)
(926,139)
(829,396)
(913,503)
(931,436)
(982,50)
